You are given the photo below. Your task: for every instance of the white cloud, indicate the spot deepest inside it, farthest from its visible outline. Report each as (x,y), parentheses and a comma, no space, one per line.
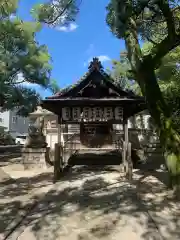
(102,59)
(70,28)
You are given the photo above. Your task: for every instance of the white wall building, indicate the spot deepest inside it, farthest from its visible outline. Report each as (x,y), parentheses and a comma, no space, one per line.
(13,123)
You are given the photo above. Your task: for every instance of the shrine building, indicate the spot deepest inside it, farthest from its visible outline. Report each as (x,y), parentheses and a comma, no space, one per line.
(97,105)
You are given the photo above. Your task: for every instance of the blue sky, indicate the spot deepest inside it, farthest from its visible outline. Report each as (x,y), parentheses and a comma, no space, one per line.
(72,47)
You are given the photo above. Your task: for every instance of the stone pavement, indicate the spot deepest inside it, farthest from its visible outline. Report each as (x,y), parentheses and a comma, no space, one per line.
(99,205)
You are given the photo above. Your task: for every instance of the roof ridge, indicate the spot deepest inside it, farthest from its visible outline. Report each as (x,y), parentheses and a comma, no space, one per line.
(94,65)
(71,86)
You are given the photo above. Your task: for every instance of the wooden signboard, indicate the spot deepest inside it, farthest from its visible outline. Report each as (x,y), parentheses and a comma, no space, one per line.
(92,114)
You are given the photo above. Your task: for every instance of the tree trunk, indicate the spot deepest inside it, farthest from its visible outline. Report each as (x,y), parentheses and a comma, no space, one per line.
(143,70)
(169,137)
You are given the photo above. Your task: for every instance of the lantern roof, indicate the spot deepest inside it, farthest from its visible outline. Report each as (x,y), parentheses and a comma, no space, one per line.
(40,112)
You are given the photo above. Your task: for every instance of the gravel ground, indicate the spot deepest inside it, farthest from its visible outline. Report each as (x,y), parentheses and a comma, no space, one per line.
(92,203)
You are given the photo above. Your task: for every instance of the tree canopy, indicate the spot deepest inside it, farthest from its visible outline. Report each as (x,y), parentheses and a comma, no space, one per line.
(167,74)
(122,76)
(58,12)
(158,22)
(23,60)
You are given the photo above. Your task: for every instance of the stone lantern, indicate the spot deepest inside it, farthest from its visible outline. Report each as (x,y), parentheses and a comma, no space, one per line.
(35,151)
(39,113)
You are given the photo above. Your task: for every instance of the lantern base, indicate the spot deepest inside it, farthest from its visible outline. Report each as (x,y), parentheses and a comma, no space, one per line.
(34,158)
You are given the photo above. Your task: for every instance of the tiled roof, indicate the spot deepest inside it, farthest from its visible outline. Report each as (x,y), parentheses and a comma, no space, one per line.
(95,64)
(66,89)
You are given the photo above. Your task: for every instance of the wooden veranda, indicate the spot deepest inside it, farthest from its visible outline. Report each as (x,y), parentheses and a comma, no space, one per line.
(96,104)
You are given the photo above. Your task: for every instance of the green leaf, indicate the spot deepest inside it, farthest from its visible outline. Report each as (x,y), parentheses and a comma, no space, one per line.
(22,59)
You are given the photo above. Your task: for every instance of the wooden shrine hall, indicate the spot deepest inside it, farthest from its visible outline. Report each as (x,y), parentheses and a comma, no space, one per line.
(96,104)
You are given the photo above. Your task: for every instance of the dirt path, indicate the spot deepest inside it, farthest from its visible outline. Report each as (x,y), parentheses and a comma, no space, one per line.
(89,205)
(19,191)
(6,161)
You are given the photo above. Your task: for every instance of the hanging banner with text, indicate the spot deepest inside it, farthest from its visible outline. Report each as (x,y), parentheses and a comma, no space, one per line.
(92,114)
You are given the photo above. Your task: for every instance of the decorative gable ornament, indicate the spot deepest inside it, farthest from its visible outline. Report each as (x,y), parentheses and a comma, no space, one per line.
(95,64)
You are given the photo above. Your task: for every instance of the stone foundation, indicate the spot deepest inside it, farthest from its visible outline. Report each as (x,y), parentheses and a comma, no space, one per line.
(34,158)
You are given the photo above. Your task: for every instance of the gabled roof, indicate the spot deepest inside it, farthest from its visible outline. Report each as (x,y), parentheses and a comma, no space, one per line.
(94,67)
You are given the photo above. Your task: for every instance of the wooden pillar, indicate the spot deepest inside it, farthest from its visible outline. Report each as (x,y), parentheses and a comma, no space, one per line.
(129,161)
(125,142)
(58,158)
(59,133)
(126,136)
(127,152)
(66,136)
(60,143)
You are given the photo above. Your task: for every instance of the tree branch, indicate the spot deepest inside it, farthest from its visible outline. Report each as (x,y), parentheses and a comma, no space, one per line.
(150,40)
(168,15)
(61,13)
(161,49)
(139,10)
(20,82)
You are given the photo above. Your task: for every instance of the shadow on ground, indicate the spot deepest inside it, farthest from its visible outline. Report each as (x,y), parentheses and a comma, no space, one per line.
(92,204)
(108,158)
(15,195)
